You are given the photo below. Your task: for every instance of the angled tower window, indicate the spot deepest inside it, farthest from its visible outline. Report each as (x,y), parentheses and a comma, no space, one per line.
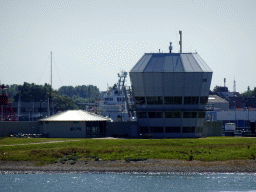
(159,100)
(151,114)
(189,114)
(177,100)
(141,114)
(201,114)
(194,100)
(168,100)
(203,100)
(187,100)
(159,114)
(140,100)
(150,100)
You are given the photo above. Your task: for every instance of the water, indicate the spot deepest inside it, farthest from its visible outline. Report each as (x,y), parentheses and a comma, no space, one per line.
(128,182)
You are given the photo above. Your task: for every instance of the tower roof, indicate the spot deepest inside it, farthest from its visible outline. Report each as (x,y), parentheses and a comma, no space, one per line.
(171,62)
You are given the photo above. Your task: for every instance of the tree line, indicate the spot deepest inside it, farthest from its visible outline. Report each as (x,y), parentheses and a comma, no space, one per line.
(65,98)
(247,93)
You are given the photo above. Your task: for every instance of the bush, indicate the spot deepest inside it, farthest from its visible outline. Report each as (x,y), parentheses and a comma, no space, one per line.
(128,159)
(190,158)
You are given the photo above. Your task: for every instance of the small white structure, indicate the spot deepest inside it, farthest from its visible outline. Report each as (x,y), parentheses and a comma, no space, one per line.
(74,124)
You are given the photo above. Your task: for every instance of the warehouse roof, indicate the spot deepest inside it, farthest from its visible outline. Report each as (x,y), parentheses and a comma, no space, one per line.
(75,115)
(171,62)
(216,99)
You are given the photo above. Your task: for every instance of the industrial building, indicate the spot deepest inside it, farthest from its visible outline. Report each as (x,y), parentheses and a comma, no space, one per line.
(170,92)
(73,124)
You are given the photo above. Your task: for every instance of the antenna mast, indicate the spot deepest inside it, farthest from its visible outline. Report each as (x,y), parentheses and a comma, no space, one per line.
(234,86)
(180,32)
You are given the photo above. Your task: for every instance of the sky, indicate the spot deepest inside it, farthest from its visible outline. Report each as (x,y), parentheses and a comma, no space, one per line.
(93,40)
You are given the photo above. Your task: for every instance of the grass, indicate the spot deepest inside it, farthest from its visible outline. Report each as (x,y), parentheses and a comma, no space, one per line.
(204,149)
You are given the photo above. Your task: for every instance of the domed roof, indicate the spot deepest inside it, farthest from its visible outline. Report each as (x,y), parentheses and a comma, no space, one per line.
(171,62)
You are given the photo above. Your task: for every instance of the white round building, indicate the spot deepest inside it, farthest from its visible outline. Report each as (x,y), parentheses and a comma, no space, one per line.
(170,92)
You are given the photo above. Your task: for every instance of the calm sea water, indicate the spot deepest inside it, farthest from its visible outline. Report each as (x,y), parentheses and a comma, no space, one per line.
(128,182)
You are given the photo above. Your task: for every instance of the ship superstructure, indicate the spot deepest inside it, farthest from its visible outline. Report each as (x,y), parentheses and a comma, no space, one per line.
(115,102)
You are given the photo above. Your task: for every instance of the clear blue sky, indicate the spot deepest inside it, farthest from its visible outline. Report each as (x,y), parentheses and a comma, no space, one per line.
(93,40)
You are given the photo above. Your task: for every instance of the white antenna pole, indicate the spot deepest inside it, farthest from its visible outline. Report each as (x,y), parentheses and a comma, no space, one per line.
(180,32)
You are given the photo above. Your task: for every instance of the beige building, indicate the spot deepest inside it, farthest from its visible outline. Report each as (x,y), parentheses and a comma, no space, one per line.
(218,103)
(74,124)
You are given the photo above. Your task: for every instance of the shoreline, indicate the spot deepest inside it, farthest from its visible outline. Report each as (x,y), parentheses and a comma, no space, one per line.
(119,166)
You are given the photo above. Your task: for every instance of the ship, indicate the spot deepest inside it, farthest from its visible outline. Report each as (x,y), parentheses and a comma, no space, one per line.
(116,101)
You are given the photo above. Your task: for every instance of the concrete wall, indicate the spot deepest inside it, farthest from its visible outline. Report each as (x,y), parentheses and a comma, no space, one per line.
(122,129)
(25,127)
(212,128)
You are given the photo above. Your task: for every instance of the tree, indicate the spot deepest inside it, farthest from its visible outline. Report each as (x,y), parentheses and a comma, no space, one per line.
(215,88)
(63,103)
(31,92)
(87,92)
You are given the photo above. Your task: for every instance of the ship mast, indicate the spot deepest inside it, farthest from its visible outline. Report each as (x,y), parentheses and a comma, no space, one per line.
(50,98)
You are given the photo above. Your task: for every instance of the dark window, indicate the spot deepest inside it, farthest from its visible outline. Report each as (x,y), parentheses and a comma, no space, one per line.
(72,129)
(156,129)
(172,114)
(159,114)
(194,100)
(75,122)
(168,100)
(140,100)
(143,129)
(189,114)
(168,114)
(88,130)
(193,114)
(186,114)
(187,100)
(204,80)
(201,114)
(159,100)
(151,100)
(173,100)
(89,124)
(176,114)
(95,123)
(203,100)
(102,127)
(177,100)
(188,129)
(79,129)
(172,129)
(151,115)
(142,114)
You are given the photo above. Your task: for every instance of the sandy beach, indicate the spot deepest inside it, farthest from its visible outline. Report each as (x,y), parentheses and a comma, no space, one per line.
(150,165)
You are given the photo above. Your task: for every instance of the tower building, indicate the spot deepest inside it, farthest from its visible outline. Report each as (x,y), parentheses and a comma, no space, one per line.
(171,91)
